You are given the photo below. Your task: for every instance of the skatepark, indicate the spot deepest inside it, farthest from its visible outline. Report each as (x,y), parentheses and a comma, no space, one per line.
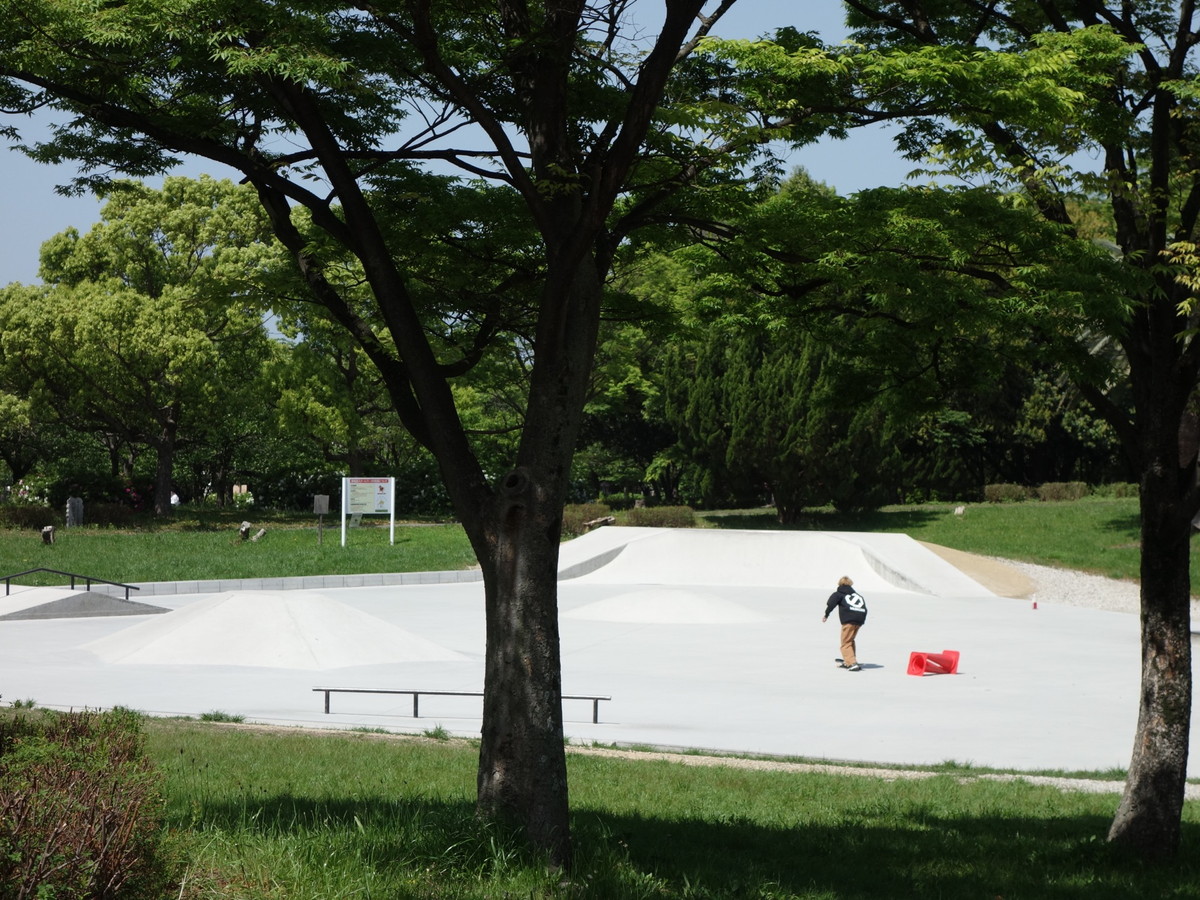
(701,639)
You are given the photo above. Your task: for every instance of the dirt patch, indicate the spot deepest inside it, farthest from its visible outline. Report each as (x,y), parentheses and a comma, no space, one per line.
(998,577)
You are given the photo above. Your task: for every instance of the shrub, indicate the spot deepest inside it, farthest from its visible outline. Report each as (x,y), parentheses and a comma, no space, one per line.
(1058,490)
(575,517)
(110,515)
(80,808)
(14,515)
(1005,493)
(219,716)
(33,490)
(661,517)
(621,501)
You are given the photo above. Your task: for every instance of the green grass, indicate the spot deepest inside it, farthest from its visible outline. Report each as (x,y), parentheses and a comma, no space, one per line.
(287,549)
(283,814)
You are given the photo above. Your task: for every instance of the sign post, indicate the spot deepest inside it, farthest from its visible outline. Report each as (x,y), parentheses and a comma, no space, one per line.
(369,496)
(321,508)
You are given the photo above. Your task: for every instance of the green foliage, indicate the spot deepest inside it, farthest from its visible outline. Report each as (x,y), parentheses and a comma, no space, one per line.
(27,517)
(217,715)
(660,517)
(146,334)
(895,344)
(778,412)
(577,515)
(1005,493)
(1059,491)
(1050,491)
(80,809)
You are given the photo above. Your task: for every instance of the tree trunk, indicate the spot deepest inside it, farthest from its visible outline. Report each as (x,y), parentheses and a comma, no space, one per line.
(522,776)
(164,469)
(1149,817)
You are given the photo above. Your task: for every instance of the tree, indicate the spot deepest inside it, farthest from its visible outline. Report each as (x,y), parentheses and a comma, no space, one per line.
(1022,96)
(143,323)
(855,338)
(19,444)
(310,104)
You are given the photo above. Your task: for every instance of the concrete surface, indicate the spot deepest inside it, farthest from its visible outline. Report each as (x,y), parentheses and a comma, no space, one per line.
(705,639)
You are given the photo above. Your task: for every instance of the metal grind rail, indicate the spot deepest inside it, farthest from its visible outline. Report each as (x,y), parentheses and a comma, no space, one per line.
(88,579)
(416,695)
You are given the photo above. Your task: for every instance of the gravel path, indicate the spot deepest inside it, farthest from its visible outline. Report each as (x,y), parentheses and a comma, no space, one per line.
(1069,588)
(1087,785)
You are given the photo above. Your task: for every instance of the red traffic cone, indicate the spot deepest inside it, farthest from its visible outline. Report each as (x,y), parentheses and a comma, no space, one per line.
(944,663)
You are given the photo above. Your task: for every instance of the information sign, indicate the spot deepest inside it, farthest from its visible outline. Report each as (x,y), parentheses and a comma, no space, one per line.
(369,496)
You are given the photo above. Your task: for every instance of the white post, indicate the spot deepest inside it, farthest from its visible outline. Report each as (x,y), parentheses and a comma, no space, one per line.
(345,500)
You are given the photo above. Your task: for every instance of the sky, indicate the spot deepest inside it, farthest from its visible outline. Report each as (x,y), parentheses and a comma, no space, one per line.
(31,212)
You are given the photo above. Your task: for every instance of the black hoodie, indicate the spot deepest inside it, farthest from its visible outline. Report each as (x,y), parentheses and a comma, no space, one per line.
(851,605)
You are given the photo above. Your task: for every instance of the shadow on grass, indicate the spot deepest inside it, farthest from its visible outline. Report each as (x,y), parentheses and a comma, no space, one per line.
(1128,524)
(922,852)
(930,856)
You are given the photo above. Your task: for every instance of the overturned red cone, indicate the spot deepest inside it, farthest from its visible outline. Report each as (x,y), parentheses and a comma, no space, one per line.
(944,663)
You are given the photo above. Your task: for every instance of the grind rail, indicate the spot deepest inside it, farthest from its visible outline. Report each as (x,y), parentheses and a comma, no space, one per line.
(416,694)
(90,580)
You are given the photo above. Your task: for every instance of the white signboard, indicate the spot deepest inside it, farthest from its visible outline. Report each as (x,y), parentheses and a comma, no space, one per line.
(371,497)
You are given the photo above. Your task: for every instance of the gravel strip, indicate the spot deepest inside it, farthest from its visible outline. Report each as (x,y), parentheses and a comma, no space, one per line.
(1070,588)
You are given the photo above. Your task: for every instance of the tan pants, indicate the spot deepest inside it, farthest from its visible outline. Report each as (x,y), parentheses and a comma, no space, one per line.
(849,633)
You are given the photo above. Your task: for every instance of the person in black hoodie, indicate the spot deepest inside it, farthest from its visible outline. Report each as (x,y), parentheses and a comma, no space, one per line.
(852,611)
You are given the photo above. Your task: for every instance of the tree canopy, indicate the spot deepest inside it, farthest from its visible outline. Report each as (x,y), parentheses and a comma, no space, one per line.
(146,324)
(328,108)
(1064,104)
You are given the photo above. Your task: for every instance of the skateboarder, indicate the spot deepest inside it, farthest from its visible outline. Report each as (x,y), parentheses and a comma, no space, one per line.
(852,611)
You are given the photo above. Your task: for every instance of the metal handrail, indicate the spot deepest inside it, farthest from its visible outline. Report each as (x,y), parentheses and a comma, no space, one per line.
(87,578)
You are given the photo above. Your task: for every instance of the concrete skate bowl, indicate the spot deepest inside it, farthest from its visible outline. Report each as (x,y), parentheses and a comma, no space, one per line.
(272,629)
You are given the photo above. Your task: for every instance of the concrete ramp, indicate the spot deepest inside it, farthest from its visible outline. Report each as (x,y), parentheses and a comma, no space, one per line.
(273,629)
(666,606)
(751,558)
(83,604)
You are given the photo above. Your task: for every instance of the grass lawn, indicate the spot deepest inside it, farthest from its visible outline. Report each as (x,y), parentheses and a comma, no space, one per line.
(284,814)
(218,552)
